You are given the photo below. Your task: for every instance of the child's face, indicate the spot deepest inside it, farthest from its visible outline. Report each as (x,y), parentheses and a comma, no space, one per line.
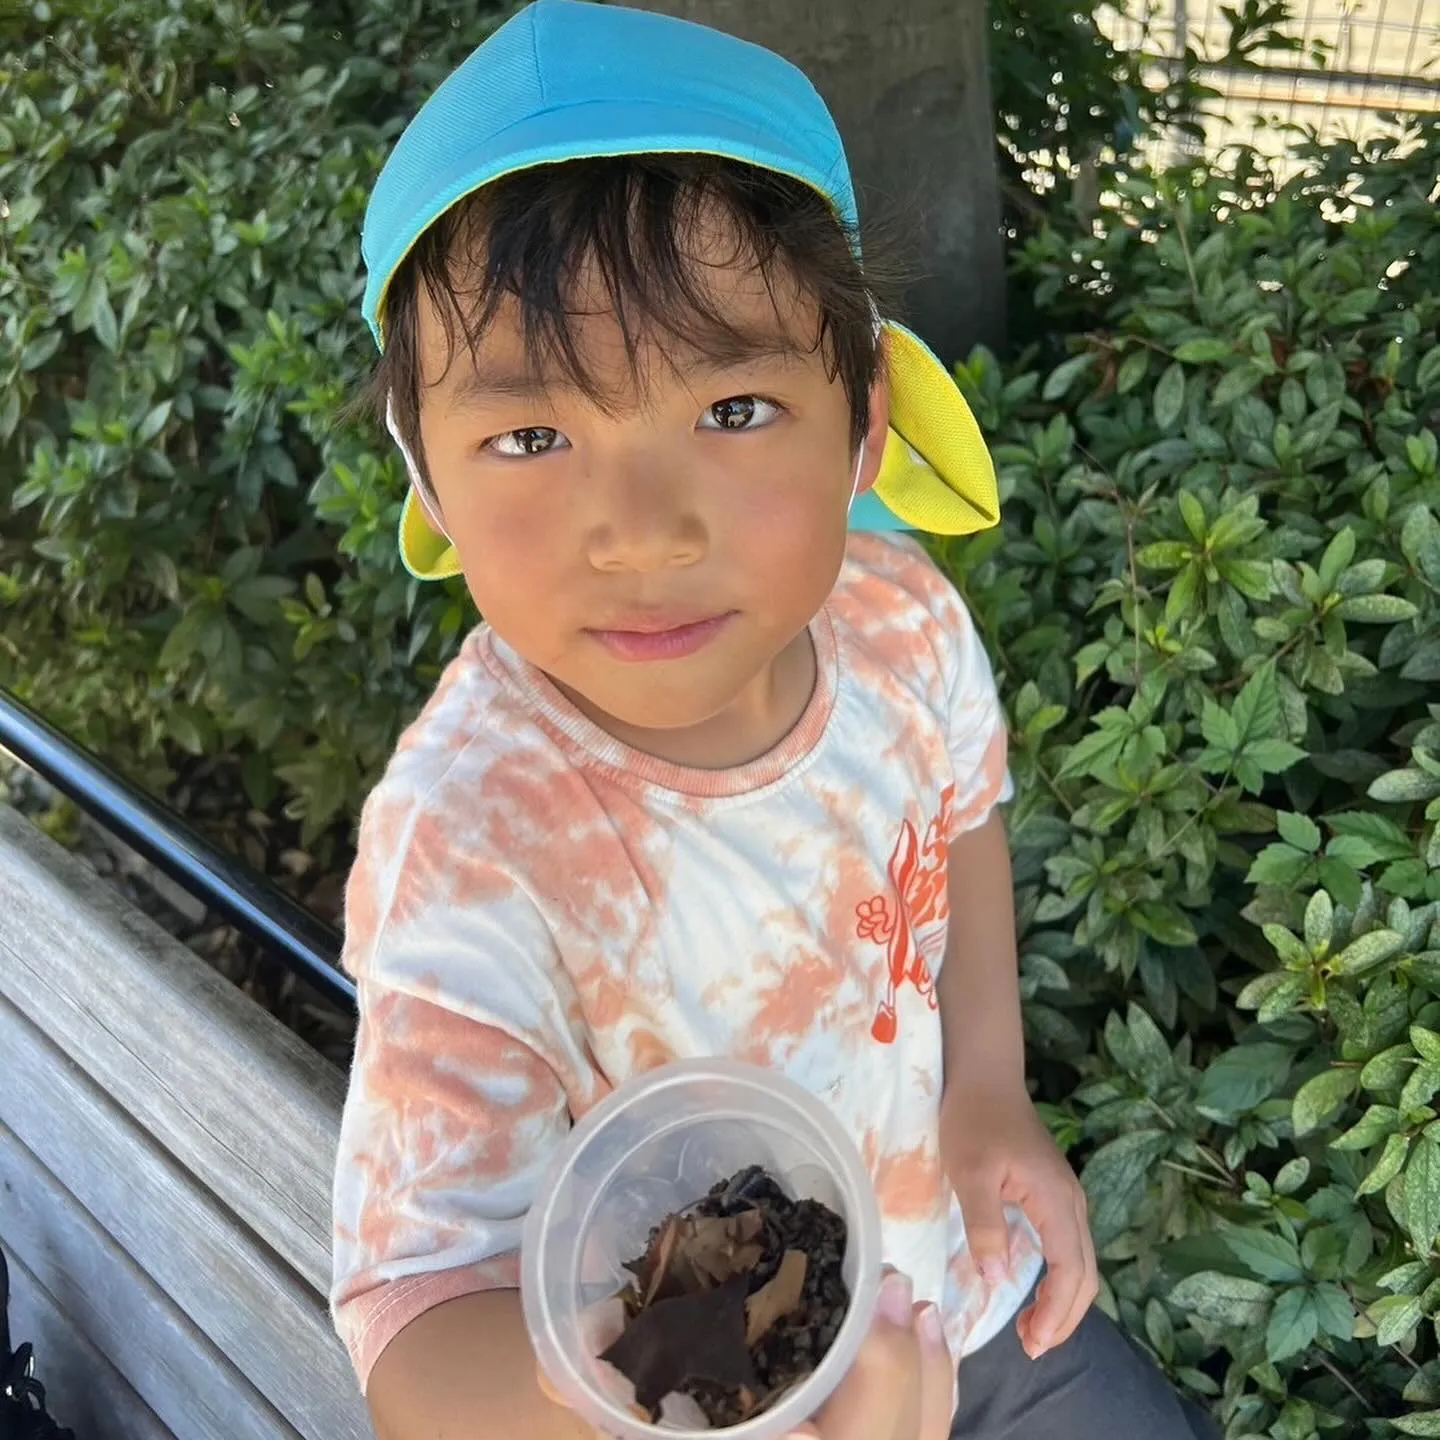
(657,555)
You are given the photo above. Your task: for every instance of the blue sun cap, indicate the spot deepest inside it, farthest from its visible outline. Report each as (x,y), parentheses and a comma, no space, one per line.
(568,80)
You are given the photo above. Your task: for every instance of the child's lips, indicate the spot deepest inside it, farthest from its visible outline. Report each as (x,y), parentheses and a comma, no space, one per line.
(661,637)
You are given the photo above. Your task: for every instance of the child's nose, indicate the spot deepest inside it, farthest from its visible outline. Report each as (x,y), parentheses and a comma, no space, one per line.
(644,520)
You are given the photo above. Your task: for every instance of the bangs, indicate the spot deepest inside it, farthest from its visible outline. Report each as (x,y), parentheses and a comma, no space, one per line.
(643,241)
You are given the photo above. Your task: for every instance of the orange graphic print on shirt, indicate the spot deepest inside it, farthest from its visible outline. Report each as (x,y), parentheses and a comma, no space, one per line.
(904,921)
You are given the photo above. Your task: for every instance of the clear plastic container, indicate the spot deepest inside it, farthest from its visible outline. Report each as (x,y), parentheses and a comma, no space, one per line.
(656,1146)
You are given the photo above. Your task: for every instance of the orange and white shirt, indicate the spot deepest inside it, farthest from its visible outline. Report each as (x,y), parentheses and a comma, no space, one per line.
(538,913)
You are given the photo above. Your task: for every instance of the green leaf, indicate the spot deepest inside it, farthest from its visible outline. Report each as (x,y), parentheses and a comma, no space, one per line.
(1376,609)
(1319,921)
(1422,1193)
(1320,1097)
(1362,579)
(1093,752)
(1387,1167)
(1162,923)
(1425,1422)
(1159,1330)
(1170,396)
(1426,1043)
(1205,351)
(1368,951)
(1336,559)
(1279,865)
(1292,1175)
(1424,663)
(1192,512)
(1116,1178)
(1391,842)
(1065,375)
(1292,953)
(1420,1088)
(107,328)
(1399,786)
(1132,371)
(1265,1255)
(1299,830)
(1164,555)
(1217,726)
(1250,577)
(1273,756)
(1223,1299)
(1256,711)
(1238,1079)
(1375,1125)
(1354,851)
(1274,994)
(1396,1317)
(1293,1326)
(1389,1069)
(1236,383)
(1334,1311)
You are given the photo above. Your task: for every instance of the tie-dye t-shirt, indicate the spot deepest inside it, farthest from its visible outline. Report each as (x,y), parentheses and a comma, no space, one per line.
(538,913)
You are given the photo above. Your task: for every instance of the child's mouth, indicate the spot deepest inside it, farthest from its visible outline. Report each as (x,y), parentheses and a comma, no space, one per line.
(663,640)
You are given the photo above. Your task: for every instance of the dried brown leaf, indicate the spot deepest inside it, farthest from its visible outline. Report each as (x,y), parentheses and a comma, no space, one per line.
(715,1248)
(659,1260)
(777,1298)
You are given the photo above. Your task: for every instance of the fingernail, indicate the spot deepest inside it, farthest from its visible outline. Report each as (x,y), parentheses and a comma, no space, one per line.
(992,1271)
(932,1330)
(897,1298)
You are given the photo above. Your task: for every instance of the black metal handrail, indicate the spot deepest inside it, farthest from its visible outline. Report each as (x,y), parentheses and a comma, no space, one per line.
(254,905)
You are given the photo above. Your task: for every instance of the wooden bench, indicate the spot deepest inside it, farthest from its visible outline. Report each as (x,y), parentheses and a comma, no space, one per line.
(166,1150)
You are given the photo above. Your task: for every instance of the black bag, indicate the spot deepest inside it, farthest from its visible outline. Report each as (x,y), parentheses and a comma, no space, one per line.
(22,1397)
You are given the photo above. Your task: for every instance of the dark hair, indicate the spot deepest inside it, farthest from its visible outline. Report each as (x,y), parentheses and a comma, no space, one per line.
(635,223)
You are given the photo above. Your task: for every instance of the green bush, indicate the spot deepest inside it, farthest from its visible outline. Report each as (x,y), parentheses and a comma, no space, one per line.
(199,561)
(1213,603)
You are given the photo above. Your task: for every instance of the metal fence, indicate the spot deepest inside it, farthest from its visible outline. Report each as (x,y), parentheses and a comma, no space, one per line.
(1358,63)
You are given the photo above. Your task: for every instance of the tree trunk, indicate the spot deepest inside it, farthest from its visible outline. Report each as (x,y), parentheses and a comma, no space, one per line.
(907,83)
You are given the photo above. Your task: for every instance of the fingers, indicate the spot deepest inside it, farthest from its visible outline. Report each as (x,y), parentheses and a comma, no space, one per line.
(937,1376)
(1072,1279)
(901,1386)
(986,1231)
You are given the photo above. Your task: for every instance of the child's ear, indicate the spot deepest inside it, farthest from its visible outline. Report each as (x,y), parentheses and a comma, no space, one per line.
(877,431)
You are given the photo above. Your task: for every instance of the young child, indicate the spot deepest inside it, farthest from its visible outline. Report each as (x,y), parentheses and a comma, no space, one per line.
(718,775)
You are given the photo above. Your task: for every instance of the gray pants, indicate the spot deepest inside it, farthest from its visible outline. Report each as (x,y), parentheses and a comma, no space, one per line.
(1098,1385)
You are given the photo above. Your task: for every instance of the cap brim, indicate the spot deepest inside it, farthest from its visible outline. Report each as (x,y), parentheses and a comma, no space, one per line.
(936,474)
(427,555)
(582,132)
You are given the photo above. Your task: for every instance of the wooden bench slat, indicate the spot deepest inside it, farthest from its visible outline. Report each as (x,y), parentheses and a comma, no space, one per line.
(174,1372)
(256,1310)
(240,1101)
(86,1392)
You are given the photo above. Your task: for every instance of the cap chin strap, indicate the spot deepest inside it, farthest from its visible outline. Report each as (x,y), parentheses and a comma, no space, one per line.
(412,470)
(877,328)
(855,480)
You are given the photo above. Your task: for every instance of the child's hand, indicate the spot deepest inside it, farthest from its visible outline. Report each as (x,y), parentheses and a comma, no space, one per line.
(997,1151)
(902,1385)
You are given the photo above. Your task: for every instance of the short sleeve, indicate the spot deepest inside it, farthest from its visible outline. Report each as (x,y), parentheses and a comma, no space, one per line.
(469,1064)
(979,746)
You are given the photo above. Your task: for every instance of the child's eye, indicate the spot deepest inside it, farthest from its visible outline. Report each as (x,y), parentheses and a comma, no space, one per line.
(740,412)
(532,440)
